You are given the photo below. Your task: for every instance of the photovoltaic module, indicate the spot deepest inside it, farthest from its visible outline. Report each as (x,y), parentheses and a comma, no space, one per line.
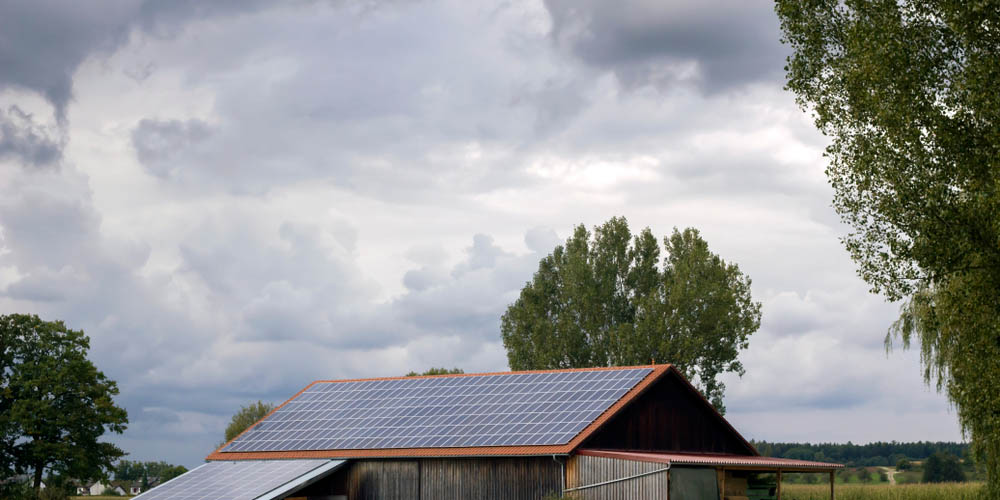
(243,480)
(515,409)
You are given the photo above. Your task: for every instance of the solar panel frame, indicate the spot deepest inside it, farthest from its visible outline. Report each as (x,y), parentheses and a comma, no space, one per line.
(242,480)
(514,409)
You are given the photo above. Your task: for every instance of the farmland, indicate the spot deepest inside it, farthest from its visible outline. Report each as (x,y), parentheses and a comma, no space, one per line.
(939,491)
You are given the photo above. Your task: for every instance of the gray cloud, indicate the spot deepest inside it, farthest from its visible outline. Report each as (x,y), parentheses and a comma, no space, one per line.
(43,42)
(160,145)
(258,195)
(26,141)
(717,45)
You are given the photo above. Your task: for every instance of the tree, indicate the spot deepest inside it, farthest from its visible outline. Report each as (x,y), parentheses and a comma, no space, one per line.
(437,371)
(906,90)
(602,299)
(245,417)
(943,467)
(54,403)
(864,475)
(127,470)
(903,464)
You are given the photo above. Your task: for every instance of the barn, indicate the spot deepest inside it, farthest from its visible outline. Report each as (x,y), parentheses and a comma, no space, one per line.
(601,433)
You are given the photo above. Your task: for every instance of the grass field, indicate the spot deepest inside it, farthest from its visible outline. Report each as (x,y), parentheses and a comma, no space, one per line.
(942,491)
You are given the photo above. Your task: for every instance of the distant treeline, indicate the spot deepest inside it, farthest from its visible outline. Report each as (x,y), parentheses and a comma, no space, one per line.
(860,455)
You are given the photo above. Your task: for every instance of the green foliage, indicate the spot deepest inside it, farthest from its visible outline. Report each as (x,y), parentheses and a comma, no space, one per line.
(602,299)
(864,475)
(943,468)
(437,371)
(907,92)
(127,470)
(245,417)
(54,403)
(903,464)
(876,454)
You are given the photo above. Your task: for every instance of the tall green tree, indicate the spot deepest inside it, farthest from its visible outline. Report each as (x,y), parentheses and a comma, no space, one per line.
(907,92)
(54,403)
(607,299)
(245,417)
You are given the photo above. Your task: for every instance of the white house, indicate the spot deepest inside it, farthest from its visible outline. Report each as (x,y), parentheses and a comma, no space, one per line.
(99,487)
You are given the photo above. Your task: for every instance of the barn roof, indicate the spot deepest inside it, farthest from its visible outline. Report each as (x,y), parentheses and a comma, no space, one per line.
(550,412)
(714,459)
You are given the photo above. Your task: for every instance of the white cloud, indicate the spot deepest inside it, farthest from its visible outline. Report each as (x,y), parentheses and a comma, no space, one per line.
(251,198)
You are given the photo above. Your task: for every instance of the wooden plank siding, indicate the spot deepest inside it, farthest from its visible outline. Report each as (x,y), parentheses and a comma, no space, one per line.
(669,416)
(382,479)
(526,478)
(500,478)
(582,470)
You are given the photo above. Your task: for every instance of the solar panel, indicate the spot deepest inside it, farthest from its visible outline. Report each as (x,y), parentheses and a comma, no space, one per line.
(515,409)
(243,480)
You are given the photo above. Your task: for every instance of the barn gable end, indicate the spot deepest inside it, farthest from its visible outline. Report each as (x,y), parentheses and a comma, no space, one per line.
(669,416)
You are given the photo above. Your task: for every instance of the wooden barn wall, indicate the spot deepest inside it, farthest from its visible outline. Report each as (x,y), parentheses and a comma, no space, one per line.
(515,478)
(381,480)
(669,416)
(527,478)
(582,470)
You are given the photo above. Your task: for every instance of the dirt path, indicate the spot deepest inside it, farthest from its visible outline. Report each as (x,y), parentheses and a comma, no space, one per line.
(890,472)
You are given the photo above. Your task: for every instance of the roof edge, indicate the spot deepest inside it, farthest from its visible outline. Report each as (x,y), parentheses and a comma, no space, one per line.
(718,415)
(615,409)
(713,459)
(482,451)
(485,374)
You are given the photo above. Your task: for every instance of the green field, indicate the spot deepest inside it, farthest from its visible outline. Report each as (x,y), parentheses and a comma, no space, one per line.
(941,491)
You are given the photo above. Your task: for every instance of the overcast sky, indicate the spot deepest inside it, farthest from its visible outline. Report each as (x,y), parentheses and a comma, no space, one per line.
(235,198)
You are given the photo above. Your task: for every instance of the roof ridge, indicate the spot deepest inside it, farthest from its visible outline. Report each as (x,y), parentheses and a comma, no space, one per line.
(486,374)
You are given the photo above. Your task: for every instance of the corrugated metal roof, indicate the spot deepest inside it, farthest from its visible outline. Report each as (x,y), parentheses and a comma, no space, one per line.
(711,459)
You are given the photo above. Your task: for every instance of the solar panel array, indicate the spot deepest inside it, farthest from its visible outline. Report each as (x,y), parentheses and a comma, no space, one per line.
(242,480)
(515,409)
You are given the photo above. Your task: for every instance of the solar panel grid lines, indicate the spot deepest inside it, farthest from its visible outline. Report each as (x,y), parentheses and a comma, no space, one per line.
(242,480)
(516,409)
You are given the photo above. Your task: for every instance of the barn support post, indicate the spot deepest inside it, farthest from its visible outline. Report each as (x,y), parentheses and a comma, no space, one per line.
(722,483)
(779,484)
(668,485)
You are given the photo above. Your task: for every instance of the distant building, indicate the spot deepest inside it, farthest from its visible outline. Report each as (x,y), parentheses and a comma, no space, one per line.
(636,432)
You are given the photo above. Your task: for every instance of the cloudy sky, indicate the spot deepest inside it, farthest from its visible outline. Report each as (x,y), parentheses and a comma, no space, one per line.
(235,198)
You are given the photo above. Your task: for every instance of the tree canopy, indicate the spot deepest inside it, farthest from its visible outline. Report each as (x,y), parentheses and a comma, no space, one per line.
(127,470)
(606,299)
(54,403)
(437,371)
(245,417)
(943,467)
(907,92)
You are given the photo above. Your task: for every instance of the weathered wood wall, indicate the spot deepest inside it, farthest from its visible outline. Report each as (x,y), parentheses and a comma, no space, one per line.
(500,478)
(382,480)
(582,470)
(526,478)
(669,416)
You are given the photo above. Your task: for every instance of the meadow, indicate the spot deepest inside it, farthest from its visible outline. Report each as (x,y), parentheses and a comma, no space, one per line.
(927,491)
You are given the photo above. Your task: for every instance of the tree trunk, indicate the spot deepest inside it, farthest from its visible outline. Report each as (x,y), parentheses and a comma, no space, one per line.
(37,484)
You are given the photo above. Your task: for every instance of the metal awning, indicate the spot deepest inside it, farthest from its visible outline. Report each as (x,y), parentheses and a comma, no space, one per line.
(717,460)
(243,480)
